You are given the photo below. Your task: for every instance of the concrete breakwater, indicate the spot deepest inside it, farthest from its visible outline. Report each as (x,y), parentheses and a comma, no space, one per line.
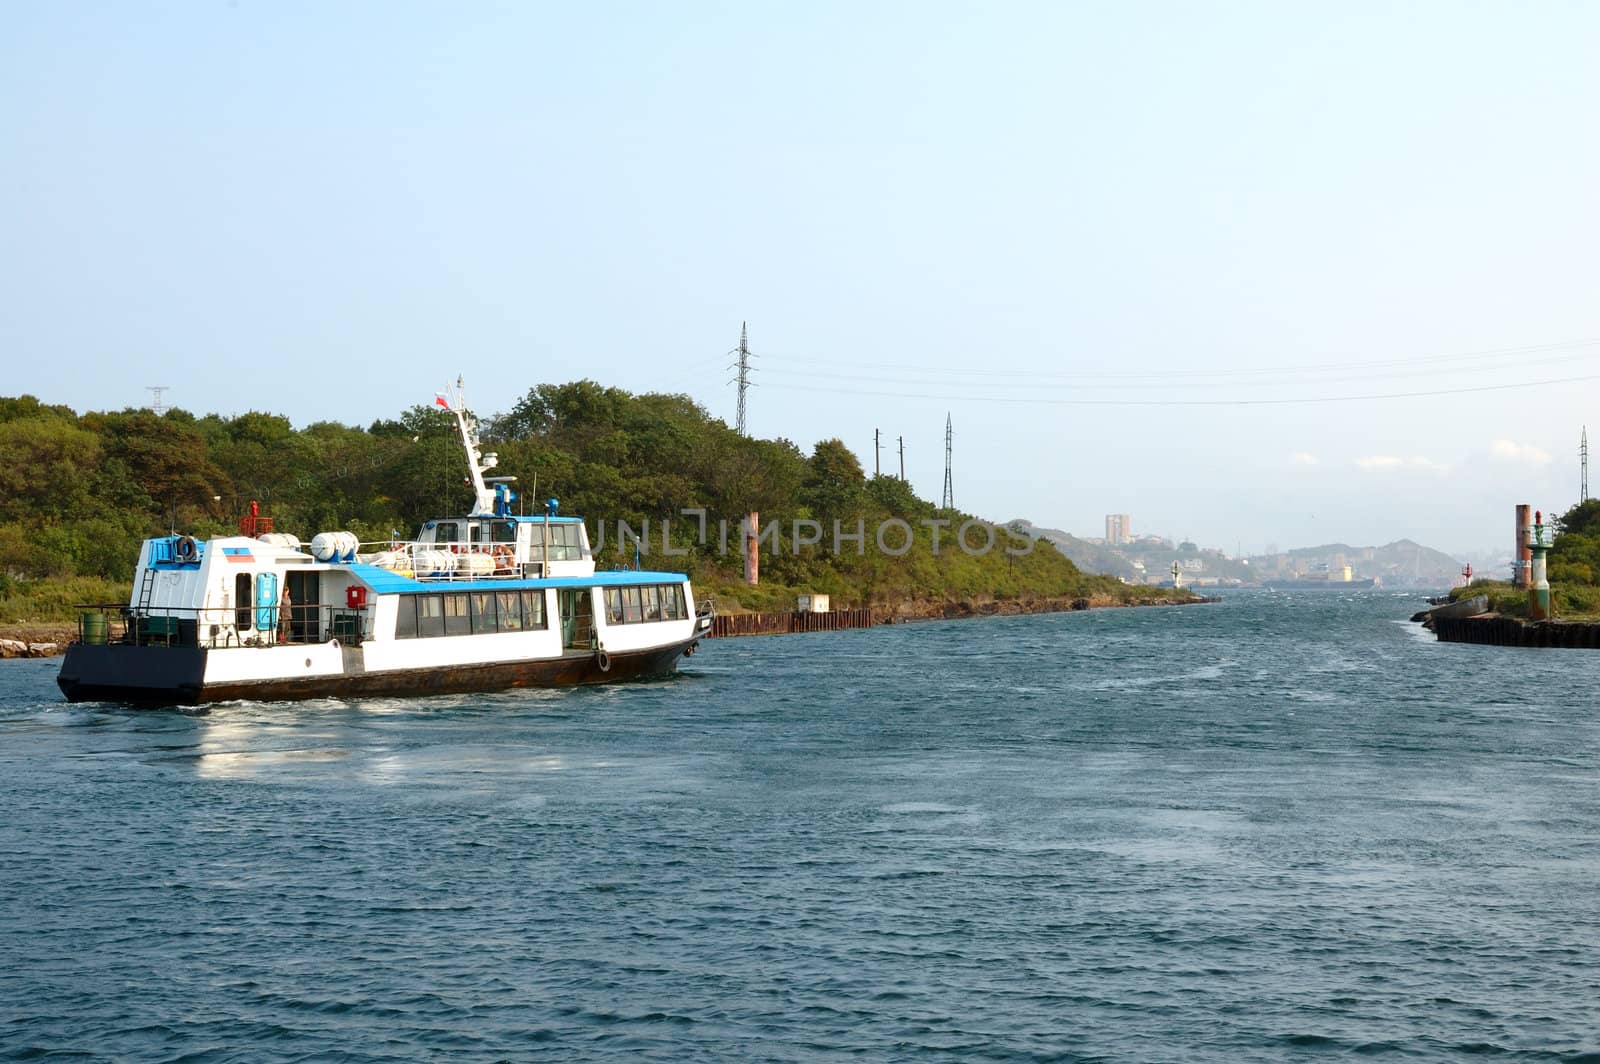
(1494,630)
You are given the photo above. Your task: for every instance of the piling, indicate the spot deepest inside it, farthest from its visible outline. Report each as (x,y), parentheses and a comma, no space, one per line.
(1521,578)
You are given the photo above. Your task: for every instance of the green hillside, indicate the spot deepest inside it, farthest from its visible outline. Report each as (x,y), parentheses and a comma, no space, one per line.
(78,492)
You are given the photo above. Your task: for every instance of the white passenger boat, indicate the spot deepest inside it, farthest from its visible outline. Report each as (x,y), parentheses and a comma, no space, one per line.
(486,601)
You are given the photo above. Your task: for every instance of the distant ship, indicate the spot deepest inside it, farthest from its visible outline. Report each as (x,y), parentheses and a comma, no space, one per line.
(1320,585)
(1322,578)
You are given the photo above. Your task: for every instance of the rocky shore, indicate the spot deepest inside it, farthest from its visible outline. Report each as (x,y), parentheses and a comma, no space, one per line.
(36,640)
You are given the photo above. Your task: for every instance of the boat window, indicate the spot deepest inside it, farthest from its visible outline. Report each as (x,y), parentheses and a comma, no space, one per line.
(655,602)
(242,604)
(509,605)
(485,618)
(457,621)
(504,531)
(430,615)
(405,620)
(533,609)
(564,541)
(672,602)
(571,538)
(447,532)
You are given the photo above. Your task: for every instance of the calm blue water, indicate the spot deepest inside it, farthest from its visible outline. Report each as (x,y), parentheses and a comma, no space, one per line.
(1280,826)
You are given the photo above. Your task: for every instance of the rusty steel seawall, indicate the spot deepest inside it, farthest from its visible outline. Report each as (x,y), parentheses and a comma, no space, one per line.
(783,623)
(1511,632)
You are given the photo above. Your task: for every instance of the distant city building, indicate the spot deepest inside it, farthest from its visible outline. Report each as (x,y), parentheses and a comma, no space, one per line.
(1119,528)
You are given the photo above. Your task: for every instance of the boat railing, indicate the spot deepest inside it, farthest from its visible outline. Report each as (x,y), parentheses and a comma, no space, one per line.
(448,561)
(217,627)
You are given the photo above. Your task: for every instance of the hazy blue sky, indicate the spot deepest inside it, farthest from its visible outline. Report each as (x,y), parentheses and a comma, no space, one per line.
(1001,210)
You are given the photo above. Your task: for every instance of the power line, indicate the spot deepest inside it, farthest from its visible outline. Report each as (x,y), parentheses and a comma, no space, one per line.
(1502,353)
(1055,380)
(1033,400)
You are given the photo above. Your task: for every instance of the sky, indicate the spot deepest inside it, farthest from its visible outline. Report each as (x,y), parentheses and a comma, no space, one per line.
(1251,273)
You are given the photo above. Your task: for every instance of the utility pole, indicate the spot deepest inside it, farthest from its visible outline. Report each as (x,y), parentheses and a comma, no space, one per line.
(1583,456)
(877,453)
(949,492)
(902,459)
(743,366)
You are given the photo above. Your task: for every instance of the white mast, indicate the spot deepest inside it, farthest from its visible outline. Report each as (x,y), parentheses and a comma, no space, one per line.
(477,462)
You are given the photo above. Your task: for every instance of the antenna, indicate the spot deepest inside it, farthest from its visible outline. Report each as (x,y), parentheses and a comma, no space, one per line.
(156,406)
(743,366)
(949,492)
(902,459)
(1583,461)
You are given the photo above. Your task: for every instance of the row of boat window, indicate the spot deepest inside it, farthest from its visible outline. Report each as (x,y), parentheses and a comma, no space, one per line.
(565,539)
(483,612)
(637,605)
(469,613)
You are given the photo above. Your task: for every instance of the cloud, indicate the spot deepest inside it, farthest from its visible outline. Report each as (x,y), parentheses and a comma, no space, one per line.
(1512,451)
(1393,461)
(1302,458)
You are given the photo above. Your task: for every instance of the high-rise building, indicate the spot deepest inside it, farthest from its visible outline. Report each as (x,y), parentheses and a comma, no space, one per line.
(1119,528)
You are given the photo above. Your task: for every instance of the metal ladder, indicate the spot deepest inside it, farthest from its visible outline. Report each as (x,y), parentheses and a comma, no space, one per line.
(141,608)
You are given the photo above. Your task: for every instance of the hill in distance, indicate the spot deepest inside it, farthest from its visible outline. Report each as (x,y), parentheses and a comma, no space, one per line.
(1401,563)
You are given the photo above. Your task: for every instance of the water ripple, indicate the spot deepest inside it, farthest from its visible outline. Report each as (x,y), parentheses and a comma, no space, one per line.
(1279,827)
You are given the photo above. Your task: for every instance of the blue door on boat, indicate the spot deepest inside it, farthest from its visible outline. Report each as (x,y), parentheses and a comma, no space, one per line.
(267,601)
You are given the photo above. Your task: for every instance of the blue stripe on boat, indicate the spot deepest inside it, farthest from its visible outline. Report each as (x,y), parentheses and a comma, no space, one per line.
(385,582)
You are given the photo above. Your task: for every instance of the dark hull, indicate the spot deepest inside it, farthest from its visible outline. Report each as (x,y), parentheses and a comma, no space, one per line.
(168,676)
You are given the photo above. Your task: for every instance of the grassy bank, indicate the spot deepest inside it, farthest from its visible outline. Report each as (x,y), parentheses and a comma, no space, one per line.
(50,600)
(1569,602)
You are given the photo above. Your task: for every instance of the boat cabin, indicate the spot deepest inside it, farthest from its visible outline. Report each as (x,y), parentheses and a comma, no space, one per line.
(505,546)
